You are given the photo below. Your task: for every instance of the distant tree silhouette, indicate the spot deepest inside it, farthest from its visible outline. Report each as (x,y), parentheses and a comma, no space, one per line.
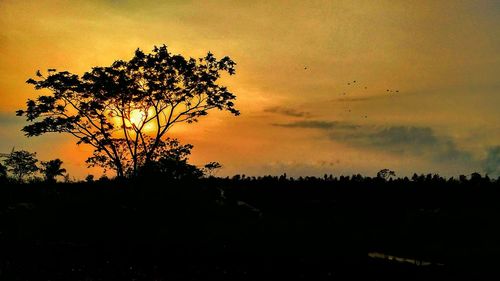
(3,172)
(89,178)
(462,178)
(51,169)
(104,178)
(67,178)
(210,168)
(385,174)
(21,164)
(126,110)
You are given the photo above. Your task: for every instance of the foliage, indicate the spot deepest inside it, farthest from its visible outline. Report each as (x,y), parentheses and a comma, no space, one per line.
(67,178)
(210,168)
(171,161)
(3,172)
(385,174)
(21,164)
(125,110)
(89,178)
(51,169)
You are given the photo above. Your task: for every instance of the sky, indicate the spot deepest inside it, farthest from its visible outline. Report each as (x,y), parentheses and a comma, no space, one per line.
(425,97)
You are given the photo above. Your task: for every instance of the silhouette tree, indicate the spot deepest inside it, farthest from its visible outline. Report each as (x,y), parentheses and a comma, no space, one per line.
(21,164)
(385,174)
(51,169)
(462,179)
(210,168)
(3,172)
(126,110)
(89,178)
(171,161)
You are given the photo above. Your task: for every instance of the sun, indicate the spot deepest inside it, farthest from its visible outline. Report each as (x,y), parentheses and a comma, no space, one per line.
(136,120)
(137,117)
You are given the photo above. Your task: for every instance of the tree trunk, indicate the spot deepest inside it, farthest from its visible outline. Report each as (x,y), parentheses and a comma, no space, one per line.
(119,169)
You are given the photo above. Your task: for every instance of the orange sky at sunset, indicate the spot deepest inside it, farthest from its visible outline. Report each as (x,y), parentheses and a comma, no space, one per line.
(426,95)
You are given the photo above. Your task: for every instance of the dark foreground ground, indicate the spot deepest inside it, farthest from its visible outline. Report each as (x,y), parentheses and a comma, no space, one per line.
(268,229)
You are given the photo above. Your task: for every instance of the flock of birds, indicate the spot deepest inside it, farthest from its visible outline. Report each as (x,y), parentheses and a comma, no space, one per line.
(354,83)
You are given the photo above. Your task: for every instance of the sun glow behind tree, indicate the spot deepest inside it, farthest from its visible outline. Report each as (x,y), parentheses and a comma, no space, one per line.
(134,120)
(126,110)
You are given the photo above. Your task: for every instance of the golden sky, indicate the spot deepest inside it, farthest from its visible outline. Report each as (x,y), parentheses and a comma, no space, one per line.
(297,62)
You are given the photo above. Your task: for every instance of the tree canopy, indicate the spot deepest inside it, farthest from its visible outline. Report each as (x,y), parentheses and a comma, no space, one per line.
(51,169)
(21,164)
(125,110)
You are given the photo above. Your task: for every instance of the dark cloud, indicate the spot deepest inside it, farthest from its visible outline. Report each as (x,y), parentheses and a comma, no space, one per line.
(491,164)
(288,111)
(403,140)
(417,141)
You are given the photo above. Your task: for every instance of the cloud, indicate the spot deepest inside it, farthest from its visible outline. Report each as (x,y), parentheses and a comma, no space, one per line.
(417,141)
(318,124)
(288,111)
(353,99)
(10,119)
(491,163)
(365,98)
(402,140)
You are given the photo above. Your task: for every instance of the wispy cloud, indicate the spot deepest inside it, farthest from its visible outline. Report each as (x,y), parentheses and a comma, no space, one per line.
(287,111)
(491,164)
(9,119)
(364,98)
(317,124)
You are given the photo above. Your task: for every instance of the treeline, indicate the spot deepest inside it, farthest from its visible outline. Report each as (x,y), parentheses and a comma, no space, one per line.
(23,167)
(245,228)
(381,177)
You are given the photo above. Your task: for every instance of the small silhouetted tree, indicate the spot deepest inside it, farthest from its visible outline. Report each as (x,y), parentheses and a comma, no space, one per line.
(21,164)
(462,178)
(385,174)
(476,178)
(89,178)
(51,169)
(125,110)
(211,168)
